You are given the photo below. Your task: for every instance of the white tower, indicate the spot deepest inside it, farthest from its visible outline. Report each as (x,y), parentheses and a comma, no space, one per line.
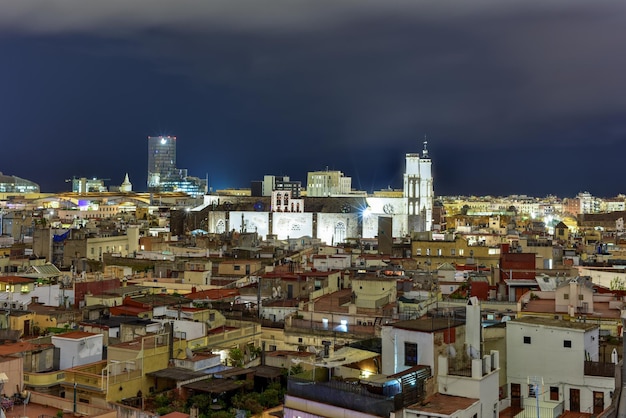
(126,186)
(418,191)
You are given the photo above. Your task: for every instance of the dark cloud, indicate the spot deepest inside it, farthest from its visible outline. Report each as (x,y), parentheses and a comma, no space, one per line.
(258,87)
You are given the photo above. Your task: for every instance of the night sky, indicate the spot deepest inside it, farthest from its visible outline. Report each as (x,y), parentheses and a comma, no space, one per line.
(514,97)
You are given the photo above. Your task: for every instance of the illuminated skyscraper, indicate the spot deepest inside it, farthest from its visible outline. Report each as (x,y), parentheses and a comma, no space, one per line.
(163,175)
(161,161)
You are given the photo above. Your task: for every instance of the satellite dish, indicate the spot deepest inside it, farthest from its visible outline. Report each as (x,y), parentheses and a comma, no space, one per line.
(505,318)
(312,349)
(274,292)
(451,351)
(472,352)
(279,290)
(189,353)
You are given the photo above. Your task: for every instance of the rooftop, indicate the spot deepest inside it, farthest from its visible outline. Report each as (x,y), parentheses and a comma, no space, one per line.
(428,324)
(21,347)
(213,294)
(75,335)
(285,353)
(176,373)
(15,279)
(443,404)
(556,323)
(116,321)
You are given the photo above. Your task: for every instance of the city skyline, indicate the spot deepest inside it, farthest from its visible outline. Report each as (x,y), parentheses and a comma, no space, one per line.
(516,98)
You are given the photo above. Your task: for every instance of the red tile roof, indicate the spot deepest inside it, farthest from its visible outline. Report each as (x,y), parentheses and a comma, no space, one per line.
(213,294)
(15,279)
(443,404)
(127,310)
(76,335)
(8,349)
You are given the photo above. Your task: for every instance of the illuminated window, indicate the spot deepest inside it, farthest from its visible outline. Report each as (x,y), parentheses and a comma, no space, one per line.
(461,252)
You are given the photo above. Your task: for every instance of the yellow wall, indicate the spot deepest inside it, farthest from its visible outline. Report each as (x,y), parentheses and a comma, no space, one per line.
(98,246)
(16,322)
(197,277)
(238,267)
(149,359)
(91,300)
(457,252)
(373,293)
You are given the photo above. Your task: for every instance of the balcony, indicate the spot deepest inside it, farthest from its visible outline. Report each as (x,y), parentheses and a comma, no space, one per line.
(43,380)
(595,368)
(328,328)
(379,397)
(233,332)
(343,395)
(91,376)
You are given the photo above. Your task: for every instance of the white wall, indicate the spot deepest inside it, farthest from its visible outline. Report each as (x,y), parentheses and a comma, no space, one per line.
(277,313)
(332,262)
(78,351)
(546,358)
(545,355)
(335,228)
(393,340)
(331,227)
(192,329)
(254,222)
(292,225)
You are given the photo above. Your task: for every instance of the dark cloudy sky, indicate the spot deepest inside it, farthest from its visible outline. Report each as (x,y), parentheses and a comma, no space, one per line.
(515,97)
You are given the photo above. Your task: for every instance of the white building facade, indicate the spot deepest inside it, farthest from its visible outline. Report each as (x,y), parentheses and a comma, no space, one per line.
(418,190)
(553,364)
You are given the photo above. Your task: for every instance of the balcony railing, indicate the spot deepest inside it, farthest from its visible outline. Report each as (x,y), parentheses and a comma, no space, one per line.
(341,394)
(531,412)
(83,379)
(304,325)
(398,392)
(41,380)
(594,368)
